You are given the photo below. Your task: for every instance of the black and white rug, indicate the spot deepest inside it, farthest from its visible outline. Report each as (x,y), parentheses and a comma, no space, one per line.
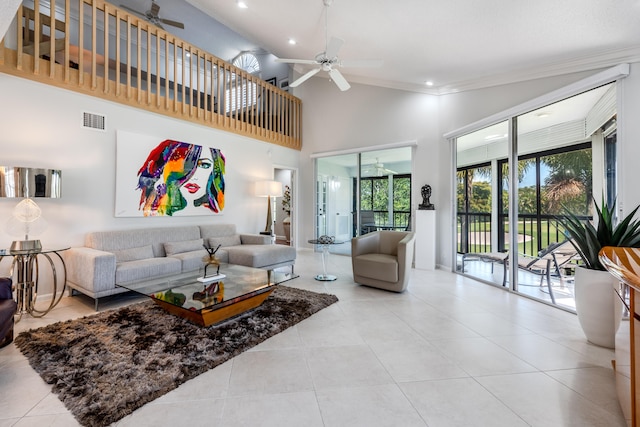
(104,366)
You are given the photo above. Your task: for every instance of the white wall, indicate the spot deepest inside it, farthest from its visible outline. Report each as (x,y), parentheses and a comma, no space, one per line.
(629,140)
(41,127)
(8,9)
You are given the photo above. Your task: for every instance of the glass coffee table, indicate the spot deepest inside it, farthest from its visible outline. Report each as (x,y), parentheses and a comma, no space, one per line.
(206,303)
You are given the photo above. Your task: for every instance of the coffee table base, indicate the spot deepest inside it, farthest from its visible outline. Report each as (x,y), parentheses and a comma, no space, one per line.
(326,277)
(211,317)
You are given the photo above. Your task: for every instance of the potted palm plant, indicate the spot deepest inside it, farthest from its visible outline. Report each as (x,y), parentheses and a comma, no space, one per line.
(599,310)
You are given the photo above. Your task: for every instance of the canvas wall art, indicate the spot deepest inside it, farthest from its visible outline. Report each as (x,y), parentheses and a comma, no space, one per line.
(165,177)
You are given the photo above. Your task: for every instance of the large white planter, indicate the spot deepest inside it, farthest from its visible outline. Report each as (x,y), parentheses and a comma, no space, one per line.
(599,309)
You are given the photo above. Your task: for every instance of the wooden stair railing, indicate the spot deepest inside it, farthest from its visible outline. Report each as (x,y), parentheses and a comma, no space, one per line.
(103,51)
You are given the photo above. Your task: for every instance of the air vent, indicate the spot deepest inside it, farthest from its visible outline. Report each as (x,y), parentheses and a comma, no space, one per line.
(94,121)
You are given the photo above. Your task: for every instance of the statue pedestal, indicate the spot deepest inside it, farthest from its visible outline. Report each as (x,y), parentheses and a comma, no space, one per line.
(425,239)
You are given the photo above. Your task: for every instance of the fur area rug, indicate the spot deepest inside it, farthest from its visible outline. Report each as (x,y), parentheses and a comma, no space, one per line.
(104,366)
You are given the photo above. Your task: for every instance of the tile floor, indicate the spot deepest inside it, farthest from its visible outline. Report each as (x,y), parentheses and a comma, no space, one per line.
(449,352)
(528,283)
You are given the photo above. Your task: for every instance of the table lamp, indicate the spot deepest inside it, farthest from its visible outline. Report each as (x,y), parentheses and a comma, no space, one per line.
(25,217)
(268,189)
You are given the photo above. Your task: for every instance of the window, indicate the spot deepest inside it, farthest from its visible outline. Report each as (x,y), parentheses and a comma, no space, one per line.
(248,62)
(240,96)
(377,192)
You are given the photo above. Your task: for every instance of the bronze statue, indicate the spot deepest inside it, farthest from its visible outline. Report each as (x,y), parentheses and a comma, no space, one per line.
(426,194)
(211,260)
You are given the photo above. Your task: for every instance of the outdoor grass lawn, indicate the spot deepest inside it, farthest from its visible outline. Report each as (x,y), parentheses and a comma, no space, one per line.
(530,246)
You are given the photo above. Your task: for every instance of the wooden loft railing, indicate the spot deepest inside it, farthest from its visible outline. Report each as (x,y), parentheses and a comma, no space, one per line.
(103,51)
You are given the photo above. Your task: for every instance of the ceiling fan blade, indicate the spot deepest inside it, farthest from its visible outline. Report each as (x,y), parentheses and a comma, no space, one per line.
(134,11)
(305,77)
(334,46)
(362,63)
(173,23)
(297,61)
(339,79)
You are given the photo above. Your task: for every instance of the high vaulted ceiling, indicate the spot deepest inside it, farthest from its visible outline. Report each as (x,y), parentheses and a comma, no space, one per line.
(457,44)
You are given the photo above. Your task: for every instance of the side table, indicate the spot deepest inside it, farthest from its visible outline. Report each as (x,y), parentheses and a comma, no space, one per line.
(24,267)
(324,277)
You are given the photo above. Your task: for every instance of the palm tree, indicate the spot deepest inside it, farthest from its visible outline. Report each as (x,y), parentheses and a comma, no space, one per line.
(569,182)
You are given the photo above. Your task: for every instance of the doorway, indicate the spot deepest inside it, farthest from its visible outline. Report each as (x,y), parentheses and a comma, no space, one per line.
(284,213)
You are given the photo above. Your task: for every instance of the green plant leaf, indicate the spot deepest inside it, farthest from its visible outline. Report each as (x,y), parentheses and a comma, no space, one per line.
(589,240)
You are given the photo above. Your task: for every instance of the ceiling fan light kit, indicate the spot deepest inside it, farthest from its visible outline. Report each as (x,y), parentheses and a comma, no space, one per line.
(328,60)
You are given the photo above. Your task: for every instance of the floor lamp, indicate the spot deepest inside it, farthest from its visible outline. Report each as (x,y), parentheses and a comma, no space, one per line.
(268,189)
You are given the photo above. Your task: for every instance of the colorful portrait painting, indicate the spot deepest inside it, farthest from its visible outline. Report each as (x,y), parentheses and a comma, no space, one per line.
(171,178)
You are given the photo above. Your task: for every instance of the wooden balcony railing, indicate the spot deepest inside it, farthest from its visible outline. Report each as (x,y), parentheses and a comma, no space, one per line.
(103,51)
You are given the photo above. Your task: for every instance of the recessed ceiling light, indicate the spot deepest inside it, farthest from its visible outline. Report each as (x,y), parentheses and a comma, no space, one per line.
(292,41)
(429,83)
(241,4)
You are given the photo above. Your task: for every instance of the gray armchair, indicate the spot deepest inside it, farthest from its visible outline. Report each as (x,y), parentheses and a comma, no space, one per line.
(382,259)
(7,310)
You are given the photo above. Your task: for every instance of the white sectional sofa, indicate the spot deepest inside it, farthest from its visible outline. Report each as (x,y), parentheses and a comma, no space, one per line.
(126,256)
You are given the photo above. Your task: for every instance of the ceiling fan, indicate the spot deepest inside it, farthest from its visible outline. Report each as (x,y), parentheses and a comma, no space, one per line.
(378,169)
(328,60)
(152,16)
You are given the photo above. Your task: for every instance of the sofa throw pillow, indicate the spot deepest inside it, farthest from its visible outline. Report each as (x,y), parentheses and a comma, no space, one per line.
(172,248)
(224,241)
(134,254)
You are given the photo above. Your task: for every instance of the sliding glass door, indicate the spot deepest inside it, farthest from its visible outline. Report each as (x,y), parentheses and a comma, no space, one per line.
(358,193)
(480,236)
(564,155)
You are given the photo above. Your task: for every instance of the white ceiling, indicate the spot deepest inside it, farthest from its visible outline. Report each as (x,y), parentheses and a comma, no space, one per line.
(458,44)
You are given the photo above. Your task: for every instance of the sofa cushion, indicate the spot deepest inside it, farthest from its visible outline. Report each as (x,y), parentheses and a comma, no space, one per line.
(172,248)
(377,266)
(217,230)
(260,255)
(133,271)
(192,260)
(225,241)
(134,254)
(222,255)
(156,237)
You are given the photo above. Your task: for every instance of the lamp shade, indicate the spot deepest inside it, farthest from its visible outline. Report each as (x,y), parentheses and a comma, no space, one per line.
(268,189)
(29,182)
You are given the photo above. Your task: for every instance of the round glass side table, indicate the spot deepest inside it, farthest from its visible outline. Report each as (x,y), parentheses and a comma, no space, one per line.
(324,277)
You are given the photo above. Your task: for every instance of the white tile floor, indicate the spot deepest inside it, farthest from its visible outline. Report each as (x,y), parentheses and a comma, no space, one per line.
(448,352)
(528,283)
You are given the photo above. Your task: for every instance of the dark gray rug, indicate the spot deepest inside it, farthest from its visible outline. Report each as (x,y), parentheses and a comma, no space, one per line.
(105,366)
